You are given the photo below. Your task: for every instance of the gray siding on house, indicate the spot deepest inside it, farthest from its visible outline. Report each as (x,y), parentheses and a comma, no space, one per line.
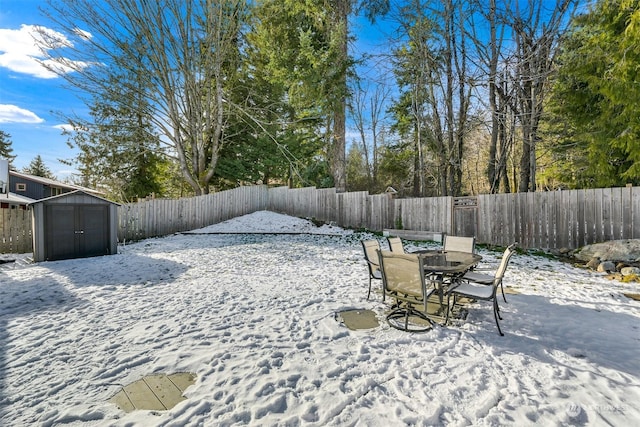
(37,188)
(33,190)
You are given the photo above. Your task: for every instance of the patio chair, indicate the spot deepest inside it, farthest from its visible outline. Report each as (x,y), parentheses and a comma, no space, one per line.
(403,279)
(371,248)
(395,244)
(487,279)
(459,243)
(482,292)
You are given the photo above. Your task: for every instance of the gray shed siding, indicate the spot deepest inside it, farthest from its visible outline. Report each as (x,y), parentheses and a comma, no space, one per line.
(58,236)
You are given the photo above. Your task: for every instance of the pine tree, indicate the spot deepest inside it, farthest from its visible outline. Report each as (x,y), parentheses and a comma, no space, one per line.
(6,151)
(305,52)
(38,168)
(597,98)
(118,148)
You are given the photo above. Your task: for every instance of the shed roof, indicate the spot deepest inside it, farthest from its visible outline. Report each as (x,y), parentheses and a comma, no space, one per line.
(72,194)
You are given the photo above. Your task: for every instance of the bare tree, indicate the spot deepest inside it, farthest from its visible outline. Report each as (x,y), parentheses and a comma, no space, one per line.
(439,87)
(536,29)
(487,52)
(186,50)
(367,120)
(515,46)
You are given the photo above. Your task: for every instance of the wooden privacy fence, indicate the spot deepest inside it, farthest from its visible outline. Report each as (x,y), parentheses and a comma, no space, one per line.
(559,219)
(160,217)
(543,220)
(15,231)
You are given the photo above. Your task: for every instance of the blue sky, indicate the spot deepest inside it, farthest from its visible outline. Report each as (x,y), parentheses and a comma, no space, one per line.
(30,97)
(33,101)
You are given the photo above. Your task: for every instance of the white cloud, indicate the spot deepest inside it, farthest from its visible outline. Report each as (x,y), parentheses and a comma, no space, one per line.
(82,33)
(19,51)
(65,127)
(13,114)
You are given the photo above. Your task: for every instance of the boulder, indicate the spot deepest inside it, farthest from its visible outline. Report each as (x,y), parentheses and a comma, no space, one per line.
(606,267)
(593,263)
(615,250)
(628,271)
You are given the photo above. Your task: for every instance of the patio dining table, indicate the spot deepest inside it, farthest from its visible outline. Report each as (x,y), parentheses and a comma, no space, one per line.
(448,263)
(445,268)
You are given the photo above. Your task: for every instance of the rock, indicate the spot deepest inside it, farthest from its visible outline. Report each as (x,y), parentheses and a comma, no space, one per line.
(633,296)
(593,263)
(606,267)
(564,251)
(614,276)
(628,271)
(615,250)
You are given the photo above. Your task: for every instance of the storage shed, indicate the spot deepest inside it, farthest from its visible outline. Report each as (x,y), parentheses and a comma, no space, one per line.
(74,225)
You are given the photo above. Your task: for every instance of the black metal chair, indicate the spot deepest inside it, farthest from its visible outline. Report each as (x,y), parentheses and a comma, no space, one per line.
(479,291)
(403,279)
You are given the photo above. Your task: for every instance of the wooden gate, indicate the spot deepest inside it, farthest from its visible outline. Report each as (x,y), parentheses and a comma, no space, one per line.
(465,216)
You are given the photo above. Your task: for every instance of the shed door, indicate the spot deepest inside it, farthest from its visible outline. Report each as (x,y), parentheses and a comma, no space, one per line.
(76,231)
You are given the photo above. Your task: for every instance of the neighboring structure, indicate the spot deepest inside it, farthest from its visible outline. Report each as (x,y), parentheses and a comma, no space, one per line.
(37,187)
(14,201)
(74,225)
(4,176)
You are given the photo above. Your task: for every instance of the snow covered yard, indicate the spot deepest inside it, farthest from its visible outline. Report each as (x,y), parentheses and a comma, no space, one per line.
(253,316)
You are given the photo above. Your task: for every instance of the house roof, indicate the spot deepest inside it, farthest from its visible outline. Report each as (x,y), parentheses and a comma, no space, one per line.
(15,198)
(54,183)
(73,193)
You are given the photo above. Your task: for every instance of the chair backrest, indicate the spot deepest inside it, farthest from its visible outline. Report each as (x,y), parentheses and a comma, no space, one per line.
(371,248)
(395,244)
(460,244)
(506,256)
(402,273)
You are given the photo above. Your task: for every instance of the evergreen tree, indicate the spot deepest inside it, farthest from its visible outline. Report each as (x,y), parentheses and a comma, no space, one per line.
(596,98)
(268,143)
(304,47)
(38,168)
(119,151)
(6,151)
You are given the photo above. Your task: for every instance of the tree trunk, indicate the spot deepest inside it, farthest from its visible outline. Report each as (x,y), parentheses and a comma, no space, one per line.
(337,161)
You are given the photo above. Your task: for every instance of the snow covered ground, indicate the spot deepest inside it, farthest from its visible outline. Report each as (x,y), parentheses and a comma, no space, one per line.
(253,316)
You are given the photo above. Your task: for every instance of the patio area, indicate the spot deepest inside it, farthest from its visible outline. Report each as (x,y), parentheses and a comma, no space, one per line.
(253,317)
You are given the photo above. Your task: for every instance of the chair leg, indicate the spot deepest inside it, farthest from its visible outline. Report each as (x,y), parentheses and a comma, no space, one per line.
(496,315)
(502,290)
(446,318)
(498,309)
(403,314)
(369,293)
